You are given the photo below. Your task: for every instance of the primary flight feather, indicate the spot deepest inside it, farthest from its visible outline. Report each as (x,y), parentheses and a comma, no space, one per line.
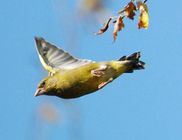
(71,77)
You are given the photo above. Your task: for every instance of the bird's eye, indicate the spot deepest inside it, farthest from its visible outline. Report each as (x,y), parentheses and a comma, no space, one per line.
(42,84)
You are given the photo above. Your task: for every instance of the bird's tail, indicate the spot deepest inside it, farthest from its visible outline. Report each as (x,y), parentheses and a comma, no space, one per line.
(133,62)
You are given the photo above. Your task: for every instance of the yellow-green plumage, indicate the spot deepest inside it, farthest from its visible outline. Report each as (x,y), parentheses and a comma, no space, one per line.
(87,78)
(80,81)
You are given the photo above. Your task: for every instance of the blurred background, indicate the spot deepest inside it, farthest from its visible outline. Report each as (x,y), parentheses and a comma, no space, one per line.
(144,105)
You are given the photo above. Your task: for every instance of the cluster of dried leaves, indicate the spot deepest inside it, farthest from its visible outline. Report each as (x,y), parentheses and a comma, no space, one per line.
(128,11)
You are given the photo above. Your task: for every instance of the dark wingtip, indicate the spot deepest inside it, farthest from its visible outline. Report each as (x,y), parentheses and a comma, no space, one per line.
(39,43)
(36,37)
(38,40)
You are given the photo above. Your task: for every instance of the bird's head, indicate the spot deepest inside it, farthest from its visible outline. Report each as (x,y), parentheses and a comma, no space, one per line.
(45,87)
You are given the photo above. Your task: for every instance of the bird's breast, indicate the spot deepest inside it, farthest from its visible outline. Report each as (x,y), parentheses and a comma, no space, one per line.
(78,82)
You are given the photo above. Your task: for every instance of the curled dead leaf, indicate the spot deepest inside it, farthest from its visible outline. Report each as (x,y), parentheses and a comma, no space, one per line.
(118,26)
(144,16)
(129,10)
(105,27)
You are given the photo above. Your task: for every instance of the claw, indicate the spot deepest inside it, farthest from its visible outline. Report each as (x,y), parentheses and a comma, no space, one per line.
(104,83)
(99,72)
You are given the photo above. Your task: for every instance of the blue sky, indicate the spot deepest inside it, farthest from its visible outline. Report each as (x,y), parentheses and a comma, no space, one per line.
(144,105)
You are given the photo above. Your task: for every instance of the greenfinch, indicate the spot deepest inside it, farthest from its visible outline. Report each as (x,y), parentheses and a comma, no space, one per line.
(70,77)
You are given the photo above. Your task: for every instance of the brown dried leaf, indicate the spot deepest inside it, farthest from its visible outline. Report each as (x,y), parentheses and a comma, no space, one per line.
(144,16)
(118,26)
(105,27)
(129,10)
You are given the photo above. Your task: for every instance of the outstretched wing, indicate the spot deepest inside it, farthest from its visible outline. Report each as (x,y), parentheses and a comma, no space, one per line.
(54,59)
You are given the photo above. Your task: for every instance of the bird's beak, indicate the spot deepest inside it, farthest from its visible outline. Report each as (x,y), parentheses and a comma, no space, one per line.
(39,91)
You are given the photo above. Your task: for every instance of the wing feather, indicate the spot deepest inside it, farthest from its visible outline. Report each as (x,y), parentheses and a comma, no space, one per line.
(54,59)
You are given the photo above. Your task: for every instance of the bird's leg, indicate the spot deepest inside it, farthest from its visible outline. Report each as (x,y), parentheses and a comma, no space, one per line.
(99,72)
(105,83)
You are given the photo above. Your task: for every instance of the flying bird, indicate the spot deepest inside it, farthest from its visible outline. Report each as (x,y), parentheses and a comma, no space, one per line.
(70,77)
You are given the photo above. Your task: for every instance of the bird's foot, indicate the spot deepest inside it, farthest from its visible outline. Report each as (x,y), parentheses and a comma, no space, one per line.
(99,72)
(105,83)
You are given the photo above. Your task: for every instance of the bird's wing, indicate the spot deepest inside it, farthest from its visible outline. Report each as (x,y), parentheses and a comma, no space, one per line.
(54,59)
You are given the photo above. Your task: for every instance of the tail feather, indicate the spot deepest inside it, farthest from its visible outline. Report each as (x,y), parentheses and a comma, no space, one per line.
(133,62)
